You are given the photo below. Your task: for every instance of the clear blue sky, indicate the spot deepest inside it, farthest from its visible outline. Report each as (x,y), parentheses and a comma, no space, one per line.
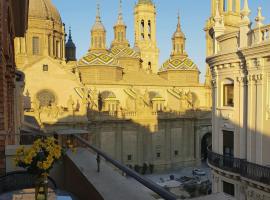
(80,15)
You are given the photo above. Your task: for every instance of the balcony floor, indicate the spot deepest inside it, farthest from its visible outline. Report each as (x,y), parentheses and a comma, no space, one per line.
(109,183)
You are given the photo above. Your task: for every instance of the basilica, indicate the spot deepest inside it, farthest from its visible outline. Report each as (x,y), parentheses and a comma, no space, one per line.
(134,109)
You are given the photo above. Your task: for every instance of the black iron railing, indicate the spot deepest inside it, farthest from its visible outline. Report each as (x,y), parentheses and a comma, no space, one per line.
(240,166)
(144,181)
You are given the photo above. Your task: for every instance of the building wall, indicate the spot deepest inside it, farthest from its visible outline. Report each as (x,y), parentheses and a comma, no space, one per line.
(241,57)
(8,30)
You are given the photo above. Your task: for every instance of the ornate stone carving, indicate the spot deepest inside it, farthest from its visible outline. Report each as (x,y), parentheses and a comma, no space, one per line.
(89,97)
(186,99)
(137,100)
(71,104)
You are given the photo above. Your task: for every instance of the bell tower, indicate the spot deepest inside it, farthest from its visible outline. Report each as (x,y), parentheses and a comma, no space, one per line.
(145,34)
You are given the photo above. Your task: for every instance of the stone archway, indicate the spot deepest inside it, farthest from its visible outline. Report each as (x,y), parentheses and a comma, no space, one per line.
(206,141)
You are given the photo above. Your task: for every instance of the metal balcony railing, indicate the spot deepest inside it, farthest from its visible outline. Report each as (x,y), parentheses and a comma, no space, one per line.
(240,166)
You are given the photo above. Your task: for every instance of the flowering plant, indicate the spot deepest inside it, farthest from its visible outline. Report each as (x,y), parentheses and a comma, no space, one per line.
(40,158)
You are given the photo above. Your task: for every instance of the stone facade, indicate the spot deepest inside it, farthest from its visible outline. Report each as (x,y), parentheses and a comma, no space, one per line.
(9,89)
(135,113)
(239,62)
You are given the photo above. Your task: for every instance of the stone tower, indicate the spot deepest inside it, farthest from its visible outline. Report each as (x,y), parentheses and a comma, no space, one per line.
(98,34)
(120,30)
(70,48)
(145,34)
(178,42)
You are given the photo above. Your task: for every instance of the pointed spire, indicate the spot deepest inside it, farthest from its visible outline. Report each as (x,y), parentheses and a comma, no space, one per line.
(120,14)
(98,24)
(259,19)
(178,32)
(245,12)
(98,19)
(69,34)
(178,24)
(218,17)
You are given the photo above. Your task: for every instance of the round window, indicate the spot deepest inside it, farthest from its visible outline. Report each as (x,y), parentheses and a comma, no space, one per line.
(46,98)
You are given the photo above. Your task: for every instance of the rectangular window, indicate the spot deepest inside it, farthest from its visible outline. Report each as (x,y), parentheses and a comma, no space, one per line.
(35,45)
(228,188)
(129,157)
(158,155)
(45,68)
(228,95)
(176,153)
(228,143)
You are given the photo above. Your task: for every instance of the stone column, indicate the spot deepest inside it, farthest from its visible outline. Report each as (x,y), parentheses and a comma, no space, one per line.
(242,117)
(259,119)
(250,122)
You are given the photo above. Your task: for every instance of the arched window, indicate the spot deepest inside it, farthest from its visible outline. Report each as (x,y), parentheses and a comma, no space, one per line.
(228,93)
(118,35)
(99,42)
(121,36)
(177,48)
(149,29)
(149,65)
(96,42)
(57,49)
(142,29)
(35,45)
(182,48)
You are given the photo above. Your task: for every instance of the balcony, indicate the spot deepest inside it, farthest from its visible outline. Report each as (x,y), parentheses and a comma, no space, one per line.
(240,166)
(95,173)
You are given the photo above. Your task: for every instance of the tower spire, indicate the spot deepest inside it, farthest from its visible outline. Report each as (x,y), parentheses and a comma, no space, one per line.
(178,40)
(178,24)
(98,19)
(70,48)
(120,14)
(120,29)
(69,34)
(98,33)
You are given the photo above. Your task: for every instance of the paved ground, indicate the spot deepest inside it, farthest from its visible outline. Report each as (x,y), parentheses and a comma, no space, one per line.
(179,173)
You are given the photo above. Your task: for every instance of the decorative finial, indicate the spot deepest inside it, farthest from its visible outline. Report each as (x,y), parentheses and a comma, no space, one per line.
(69,35)
(178,23)
(246,11)
(120,14)
(259,19)
(98,13)
(218,18)
(178,17)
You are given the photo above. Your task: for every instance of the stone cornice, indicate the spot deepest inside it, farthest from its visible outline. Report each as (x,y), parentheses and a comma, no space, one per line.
(254,51)
(222,59)
(228,36)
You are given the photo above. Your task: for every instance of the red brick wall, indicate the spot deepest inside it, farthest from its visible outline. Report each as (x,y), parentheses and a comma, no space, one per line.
(7,78)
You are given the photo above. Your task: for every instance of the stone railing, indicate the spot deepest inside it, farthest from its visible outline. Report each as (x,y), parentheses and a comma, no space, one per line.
(260,35)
